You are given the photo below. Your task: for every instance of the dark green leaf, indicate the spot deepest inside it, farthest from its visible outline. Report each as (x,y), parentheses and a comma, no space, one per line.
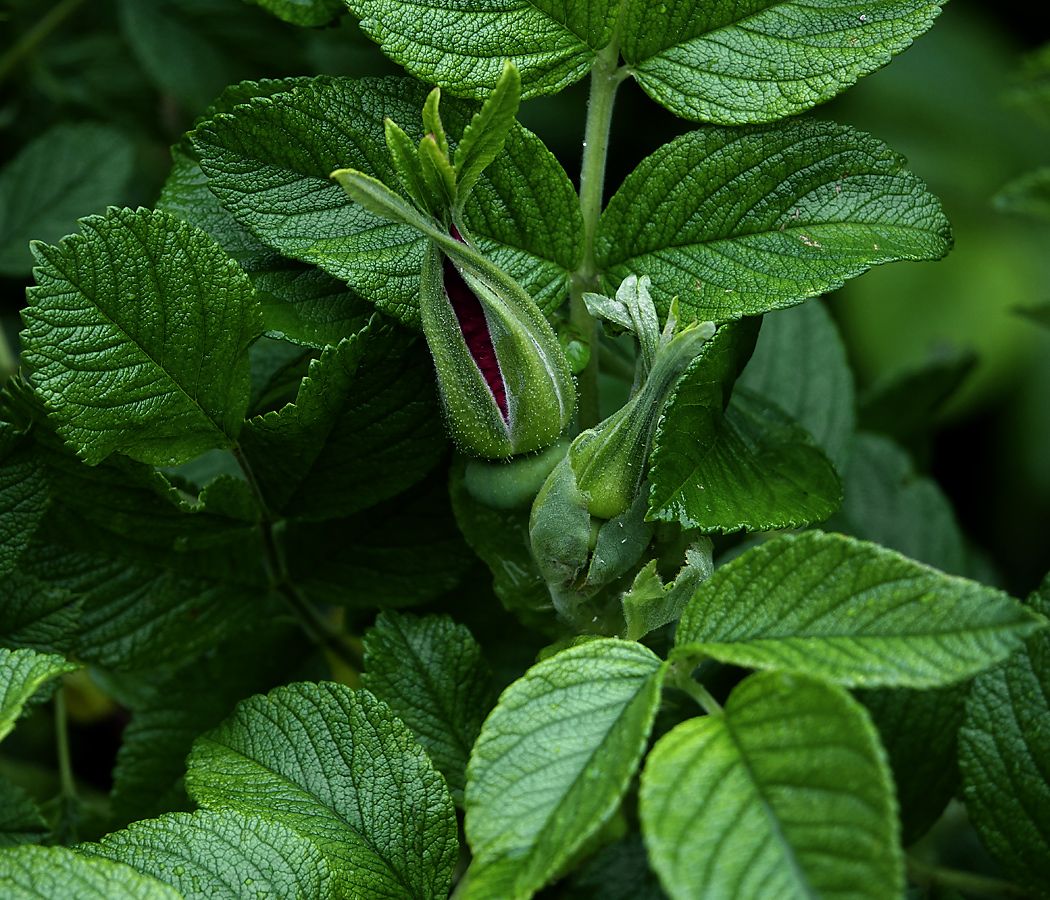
(553,44)
(366,425)
(23,495)
(1028,194)
(21,821)
(336,766)
(161,377)
(762,471)
(523,213)
(800,364)
(431,673)
(1038,314)
(69,171)
(850,612)
(620,872)
(553,761)
(22,673)
(308,13)
(741,221)
(37,615)
(221,855)
(1005,756)
(760,60)
(45,873)
(786,794)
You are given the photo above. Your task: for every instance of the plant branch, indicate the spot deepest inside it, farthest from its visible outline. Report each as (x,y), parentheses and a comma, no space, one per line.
(27,45)
(925,873)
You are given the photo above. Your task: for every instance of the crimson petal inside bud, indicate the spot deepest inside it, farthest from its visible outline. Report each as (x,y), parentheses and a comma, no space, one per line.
(475,327)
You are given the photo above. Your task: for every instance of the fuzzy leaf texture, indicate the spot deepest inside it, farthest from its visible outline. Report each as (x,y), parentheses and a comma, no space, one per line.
(1004,754)
(137,338)
(337,767)
(22,673)
(786,794)
(432,675)
(523,213)
(851,612)
(50,873)
(740,221)
(553,761)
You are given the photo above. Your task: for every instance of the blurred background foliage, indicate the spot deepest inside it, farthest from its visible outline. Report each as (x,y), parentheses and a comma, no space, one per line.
(92,94)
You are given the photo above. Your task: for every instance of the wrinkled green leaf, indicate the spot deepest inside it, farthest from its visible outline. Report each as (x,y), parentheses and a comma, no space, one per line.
(221,855)
(22,673)
(365,426)
(850,612)
(762,471)
(137,336)
(336,766)
(553,761)
(67,172)
(37,615)
(650,603)
(21,821)
(553,44)
(23,496)
(524,212)
(759,60)
(431,674)
(32,873)
(800,364)
(1004,755)
(787,794)
(742,221)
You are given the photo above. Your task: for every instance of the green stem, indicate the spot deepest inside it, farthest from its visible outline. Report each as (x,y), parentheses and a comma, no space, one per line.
(605,78)
(35,36)
(925,874)
(8,359)
(680,678)
(65,765)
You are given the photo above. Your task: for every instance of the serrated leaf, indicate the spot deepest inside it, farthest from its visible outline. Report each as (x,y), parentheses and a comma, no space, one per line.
(762,59)
(67,172)
(650,603)
(787,794)
(137,337)
(23,495)
(762,471)
(32,872)
(553,44)
(184,702)
(22,673)
(524,212)
(365,426)
(308,13)
(37,615)
(800,364)
(553,761)
(1004,756)
(742,221)
(431,673)
(21,821)
(221,855)
(336,766)
(850,612)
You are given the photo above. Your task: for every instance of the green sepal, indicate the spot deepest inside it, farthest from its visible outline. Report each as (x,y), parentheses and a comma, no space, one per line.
(438,173)
(432,120)
(408,167)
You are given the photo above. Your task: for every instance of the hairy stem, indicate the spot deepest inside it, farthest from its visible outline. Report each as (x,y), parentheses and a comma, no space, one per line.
(926,874)
(27,45)
(605,78)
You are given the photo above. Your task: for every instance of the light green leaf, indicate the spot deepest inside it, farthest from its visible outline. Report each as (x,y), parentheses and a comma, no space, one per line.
(554,44)
(741,221)
(850,612)
(787,794)
(67,172)
(650,603)
(553,761)
(23,495)
(524,213)
(365,426)
(22,674)
(31,873)
(221,855)
(760,60)
(762,471)
(137,337)
(431,673)
(37,615)
(21,821)
(336,766)
(308,13)
(1004,756)
(800,364)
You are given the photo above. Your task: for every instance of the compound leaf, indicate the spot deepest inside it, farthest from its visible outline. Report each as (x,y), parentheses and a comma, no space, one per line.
(553,761)
(850,612)
(31,872)
(336,766)
(787,794)
(137,337)
(741,221)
